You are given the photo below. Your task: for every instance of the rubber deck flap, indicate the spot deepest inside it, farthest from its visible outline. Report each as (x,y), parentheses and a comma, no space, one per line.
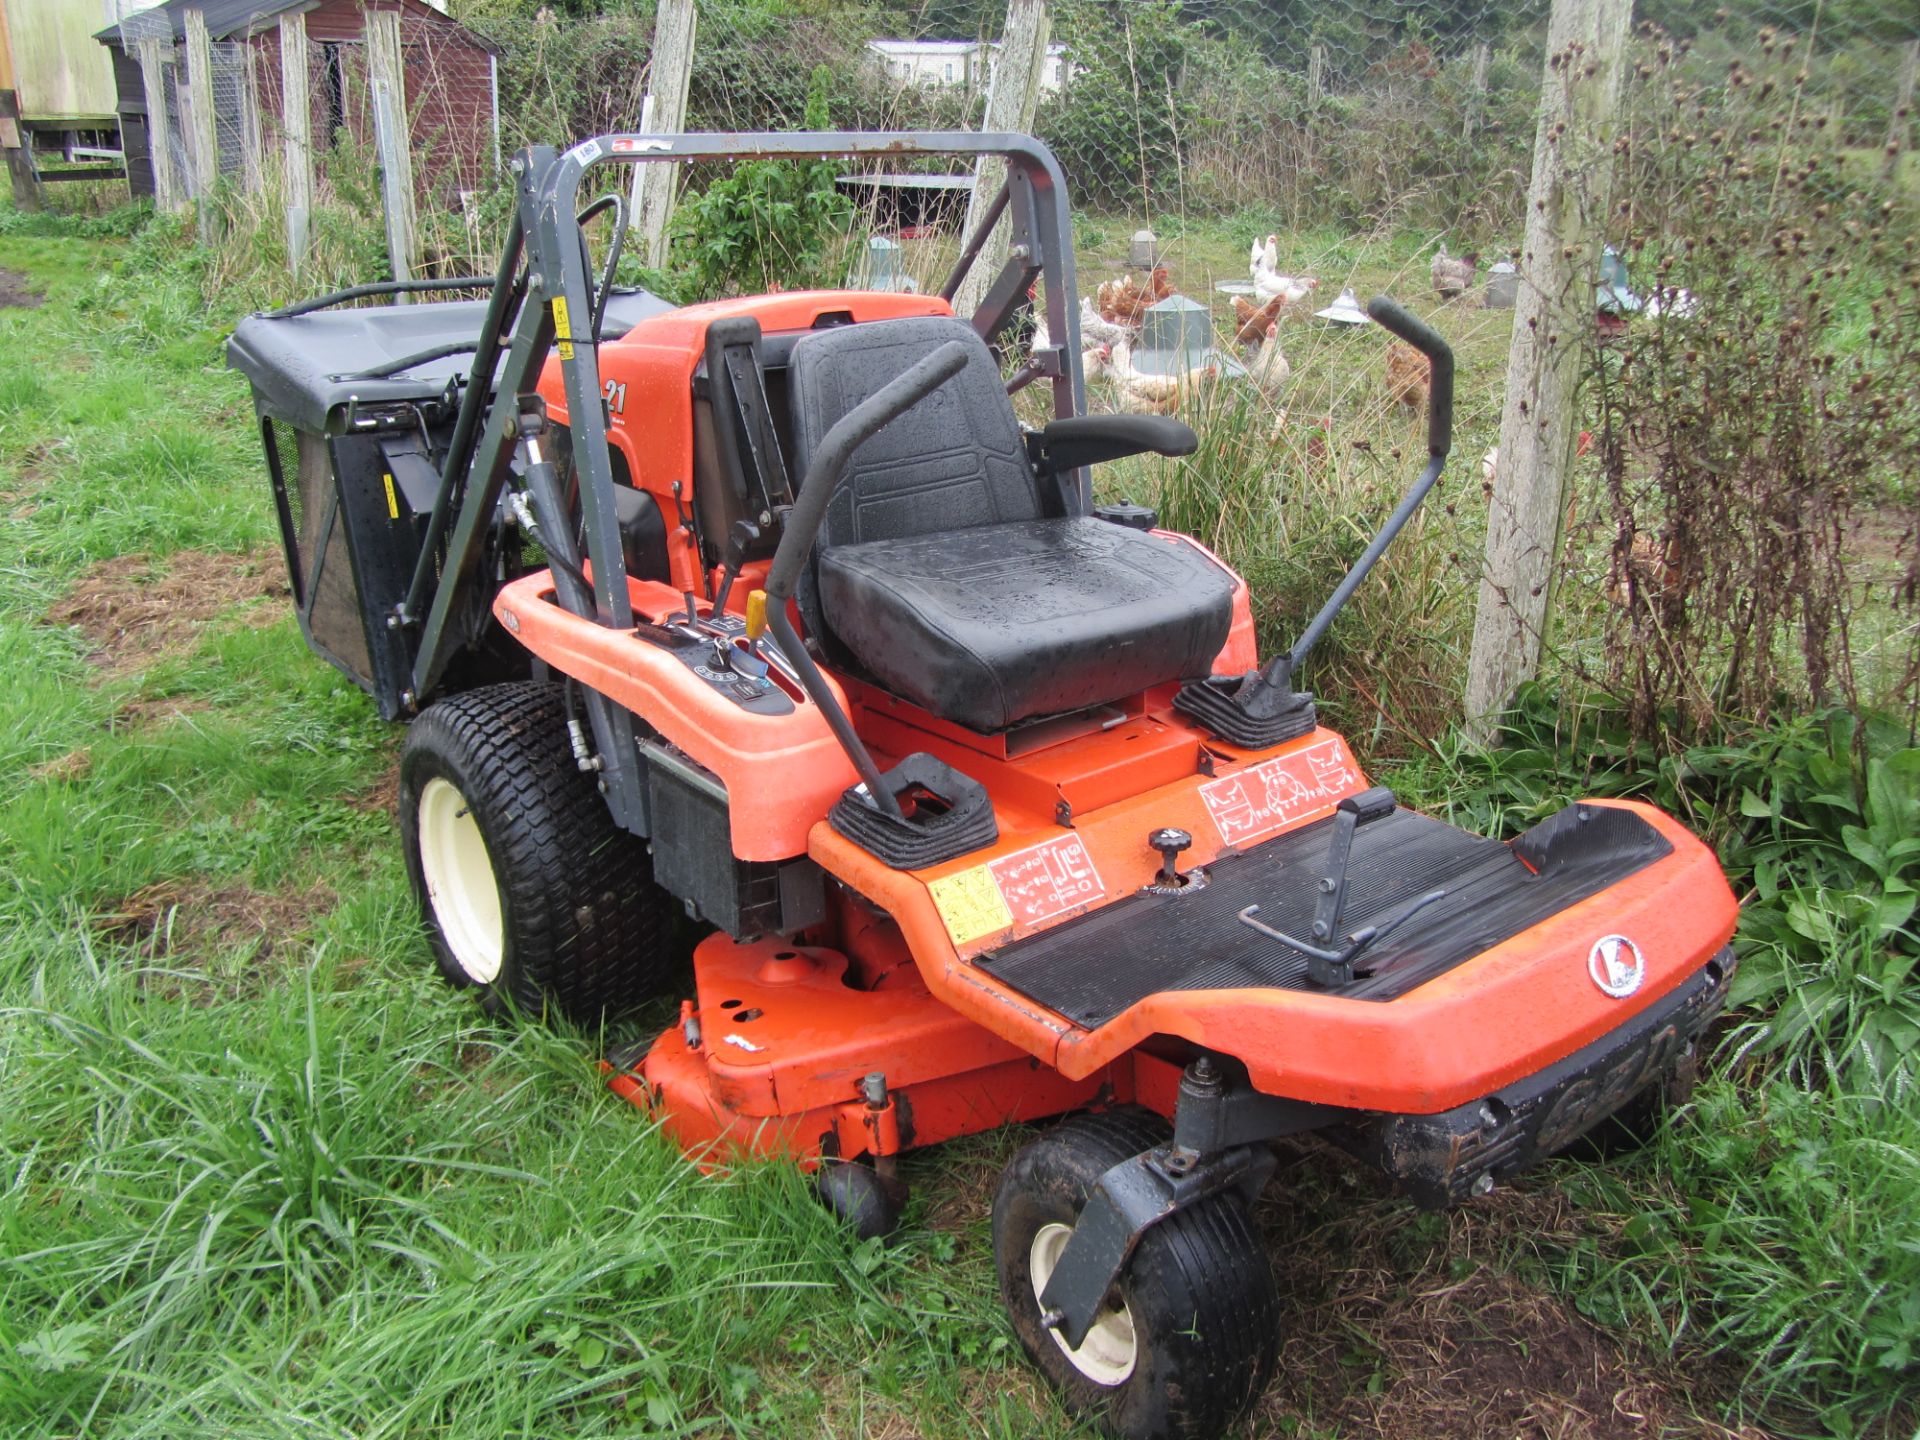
(1092,968)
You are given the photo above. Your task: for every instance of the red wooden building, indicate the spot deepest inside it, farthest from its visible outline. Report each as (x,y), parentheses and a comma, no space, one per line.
(451,73)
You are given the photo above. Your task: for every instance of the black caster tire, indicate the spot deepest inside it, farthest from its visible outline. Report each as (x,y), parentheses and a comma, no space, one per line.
(1190,1341)
(533,898)
(863,1200)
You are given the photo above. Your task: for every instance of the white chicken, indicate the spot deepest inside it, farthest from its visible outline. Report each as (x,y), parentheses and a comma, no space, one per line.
(1137,391)
(1264,257)
(1270,369)
(1092,362)
(1269,284)
(1096,329)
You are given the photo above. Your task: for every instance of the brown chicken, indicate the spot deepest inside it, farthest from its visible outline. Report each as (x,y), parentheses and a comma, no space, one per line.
(1409,376)
(1251,320)
(1125,300)
(1645,573)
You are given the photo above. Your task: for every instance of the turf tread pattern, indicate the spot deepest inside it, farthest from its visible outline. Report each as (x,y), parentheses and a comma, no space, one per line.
(587,929)
(1204,1265)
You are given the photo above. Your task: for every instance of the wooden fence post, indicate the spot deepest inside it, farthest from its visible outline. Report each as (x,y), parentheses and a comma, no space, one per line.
(1900,126)
(15,141)
(296,130)
(169,193)
(1013,96)
(1552,324)
(386,78)
(669,72)
(203,146)
(1316,76)
(1476,90)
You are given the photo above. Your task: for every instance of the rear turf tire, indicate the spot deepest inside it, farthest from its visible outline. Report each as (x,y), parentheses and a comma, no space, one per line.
(532,896)
(1189,1341)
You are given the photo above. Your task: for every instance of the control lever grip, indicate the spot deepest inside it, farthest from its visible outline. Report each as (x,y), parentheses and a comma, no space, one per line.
(1395,317)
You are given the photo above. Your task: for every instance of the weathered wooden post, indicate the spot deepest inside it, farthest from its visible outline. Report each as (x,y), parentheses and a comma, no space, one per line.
(669,73)
(1013,97)
(14,140)
(1900,125)
(386,79)
(203,146)
(1553,319)
(169,191)
(1476,90)
(296,130)
(1316,76)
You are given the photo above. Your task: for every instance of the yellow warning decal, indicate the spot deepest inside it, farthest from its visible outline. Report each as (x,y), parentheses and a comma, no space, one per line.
(393,501)
(562,327)
(970,904)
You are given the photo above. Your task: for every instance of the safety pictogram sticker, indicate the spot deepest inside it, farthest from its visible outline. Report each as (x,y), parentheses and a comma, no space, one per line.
(1265,798)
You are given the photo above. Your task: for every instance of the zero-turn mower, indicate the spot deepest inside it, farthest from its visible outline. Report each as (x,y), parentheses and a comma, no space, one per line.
(771,612)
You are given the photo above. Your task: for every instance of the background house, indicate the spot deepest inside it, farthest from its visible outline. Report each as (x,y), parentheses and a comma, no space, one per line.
(957,64)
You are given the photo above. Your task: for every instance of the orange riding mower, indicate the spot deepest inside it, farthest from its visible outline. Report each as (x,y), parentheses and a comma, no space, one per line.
(771,612)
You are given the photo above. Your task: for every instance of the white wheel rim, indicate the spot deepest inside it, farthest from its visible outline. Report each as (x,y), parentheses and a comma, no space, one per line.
(460,884)
(1106,1356)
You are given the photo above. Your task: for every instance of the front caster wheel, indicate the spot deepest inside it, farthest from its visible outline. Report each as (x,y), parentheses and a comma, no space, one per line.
(861,1198)
(1187,1342)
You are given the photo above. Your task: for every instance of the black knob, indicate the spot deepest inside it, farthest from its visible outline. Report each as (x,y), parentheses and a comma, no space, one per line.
(1169,842)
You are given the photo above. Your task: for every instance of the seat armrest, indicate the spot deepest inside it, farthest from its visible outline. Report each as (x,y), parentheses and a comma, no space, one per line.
(1094,439)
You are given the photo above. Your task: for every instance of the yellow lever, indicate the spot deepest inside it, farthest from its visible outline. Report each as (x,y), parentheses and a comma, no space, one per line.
(756,614)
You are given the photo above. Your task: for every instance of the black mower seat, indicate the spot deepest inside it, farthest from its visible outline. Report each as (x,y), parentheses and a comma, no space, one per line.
(938,572)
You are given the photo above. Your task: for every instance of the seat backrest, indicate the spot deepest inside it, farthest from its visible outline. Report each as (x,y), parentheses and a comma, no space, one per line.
(954,461)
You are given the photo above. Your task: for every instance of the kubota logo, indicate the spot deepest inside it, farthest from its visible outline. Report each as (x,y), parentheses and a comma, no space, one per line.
(1616,965)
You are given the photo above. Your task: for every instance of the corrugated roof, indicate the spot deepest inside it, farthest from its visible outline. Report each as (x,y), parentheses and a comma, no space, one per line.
(236,19)
(224,17)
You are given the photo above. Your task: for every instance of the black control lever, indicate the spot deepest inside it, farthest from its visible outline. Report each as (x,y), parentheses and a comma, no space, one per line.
(1262,708)
(743,534)
(1327,966)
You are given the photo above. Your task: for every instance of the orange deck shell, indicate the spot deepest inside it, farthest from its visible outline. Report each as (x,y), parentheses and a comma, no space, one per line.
(1488,1022)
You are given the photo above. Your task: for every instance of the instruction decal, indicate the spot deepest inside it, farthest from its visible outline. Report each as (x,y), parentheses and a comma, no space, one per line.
(1266,798)
(970,905)
(562,327)
(1047,880)
(1017,892)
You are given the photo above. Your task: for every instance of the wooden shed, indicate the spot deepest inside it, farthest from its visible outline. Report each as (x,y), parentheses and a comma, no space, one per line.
(451,76)
(56,89)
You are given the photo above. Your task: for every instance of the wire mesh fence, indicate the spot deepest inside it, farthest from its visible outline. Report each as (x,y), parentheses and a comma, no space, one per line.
(1286,159)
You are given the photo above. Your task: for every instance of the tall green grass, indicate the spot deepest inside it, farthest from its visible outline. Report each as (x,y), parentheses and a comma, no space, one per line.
(285,1183)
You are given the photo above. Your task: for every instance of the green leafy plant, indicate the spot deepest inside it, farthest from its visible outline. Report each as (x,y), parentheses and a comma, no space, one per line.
(765,225)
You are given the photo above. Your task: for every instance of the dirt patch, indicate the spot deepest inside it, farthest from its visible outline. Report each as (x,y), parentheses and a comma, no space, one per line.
(181,922)
(17,294)
(380,798)
(1408,1326)
(151,712)
(136,610)
(74,765)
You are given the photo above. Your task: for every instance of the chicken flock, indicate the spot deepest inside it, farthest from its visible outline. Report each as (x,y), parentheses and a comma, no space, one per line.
(1112,318)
